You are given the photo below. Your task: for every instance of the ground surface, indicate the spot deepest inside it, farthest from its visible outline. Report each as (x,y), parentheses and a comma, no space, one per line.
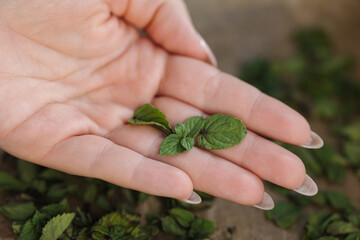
(239,31)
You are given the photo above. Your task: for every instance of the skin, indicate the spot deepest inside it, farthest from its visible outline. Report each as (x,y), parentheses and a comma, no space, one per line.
(73,72)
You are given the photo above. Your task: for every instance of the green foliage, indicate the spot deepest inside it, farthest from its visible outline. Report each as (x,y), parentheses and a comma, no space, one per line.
(284,214)
(18,211)
(56,226)
(171,145)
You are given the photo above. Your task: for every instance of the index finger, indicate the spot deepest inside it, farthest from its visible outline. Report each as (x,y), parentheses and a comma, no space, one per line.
(213,91)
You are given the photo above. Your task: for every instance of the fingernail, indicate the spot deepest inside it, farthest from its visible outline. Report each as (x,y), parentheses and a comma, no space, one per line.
(314,142)
(211,57)
(267,203)
(193,199)
(308,188)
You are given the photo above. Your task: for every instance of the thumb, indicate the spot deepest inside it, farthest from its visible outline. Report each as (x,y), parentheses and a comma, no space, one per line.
(167,23)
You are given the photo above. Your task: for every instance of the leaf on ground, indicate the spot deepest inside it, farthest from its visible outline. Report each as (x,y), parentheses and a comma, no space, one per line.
(8,182)
(170,225)
(353,236)
(339,201)
(28,232)
(171,145)
(284,214)
(56,226)
(352,151)
(200,228)
(352,131)
(341,228)
(318,222)
(27,171)
(147,114)
(221,131)
(182,216)
(18,211)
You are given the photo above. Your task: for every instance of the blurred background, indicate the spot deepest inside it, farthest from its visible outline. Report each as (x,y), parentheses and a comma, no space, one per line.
(303,52)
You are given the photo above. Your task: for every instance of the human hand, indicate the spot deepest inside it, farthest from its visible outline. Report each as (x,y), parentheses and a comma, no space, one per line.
(73,72)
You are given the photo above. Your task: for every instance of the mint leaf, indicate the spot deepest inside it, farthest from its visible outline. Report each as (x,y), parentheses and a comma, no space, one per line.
(28,231)
(171,145)
(187,143)
(147,114)
(221,131)
(56,226)
(339,201)
(194,125)
(341,227)
(8,182)
(353,236)
(182,216)
(181,130)
(18,211)
(169,225)
(284,214)
(27,171)
(200,228)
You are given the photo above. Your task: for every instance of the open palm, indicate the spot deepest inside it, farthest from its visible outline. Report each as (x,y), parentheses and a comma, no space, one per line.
(73,72)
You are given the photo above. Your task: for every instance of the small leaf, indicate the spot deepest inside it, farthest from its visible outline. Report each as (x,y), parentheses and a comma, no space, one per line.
(352,131)
(147,114)
(353,236)
(28,231)
(169,225)
(182,216)
(27,171)
(8,182)
(335,173)
(18,211)
(181,130)
(194,125)
(200,228)
(284,214)
(56,226)
(187,143)
(318,222)
(341,228)
(339,201)
(171,145)
(352,151)
(328,238)
(319,198)
(55,209)
(221,131)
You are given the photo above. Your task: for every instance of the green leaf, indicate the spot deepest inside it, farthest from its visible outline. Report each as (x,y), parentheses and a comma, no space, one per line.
(353,236)
(319,198)
(8,182)
(52,175)
(318,222)
(90,193)
(147,114)
(200,228)
(328,238)
(171,145)
(16,226)
(18,211)
(221,131)
(352,131)
(170,225)
(182,216)
(339,201)
(187,143)
(354,219)
(194,125)
(56,226)
(284,214)
(55,209)
(28,231)
(181,130)
(352,151)
(341,228)
(27,171)
(335,173)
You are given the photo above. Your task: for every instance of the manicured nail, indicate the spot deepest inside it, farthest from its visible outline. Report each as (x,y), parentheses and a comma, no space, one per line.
(308,188)
(193,199)
(211,57)
(314,142)
(267,203)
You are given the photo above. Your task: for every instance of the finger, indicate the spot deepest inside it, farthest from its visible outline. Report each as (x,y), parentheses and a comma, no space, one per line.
(266,159)
(209,173)
(94,156)
(168,23)
(212,91)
